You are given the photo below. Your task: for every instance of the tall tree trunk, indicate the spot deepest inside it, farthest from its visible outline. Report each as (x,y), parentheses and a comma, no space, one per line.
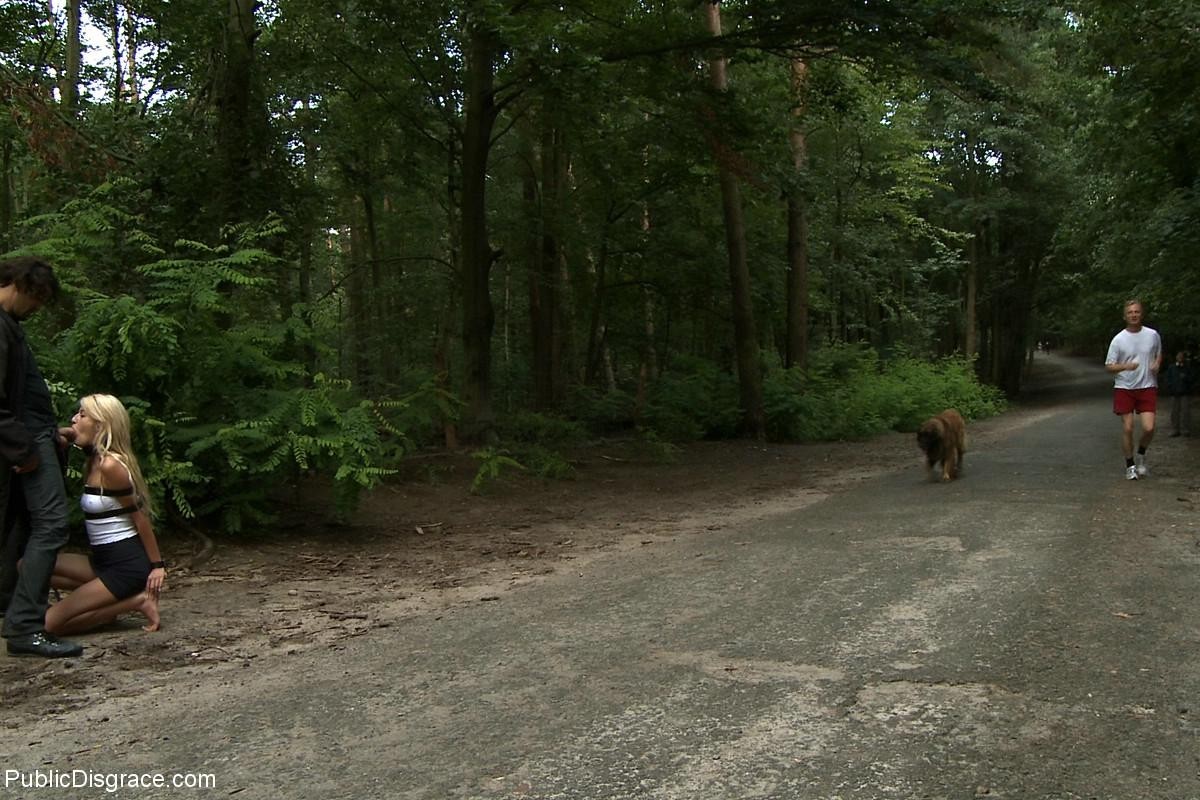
(550,348)
(610,372)
(132,92)
(565,356)
(68,87)
(234,112)
(648,369)
(649,348)
(975,251)
(596,323)
(6,193)
(797,227)
(478,313)
(308,352)
(308,234)
(442,366)
(356,299)
(114,36)
(971,321)
(838,328)
(374,300)
(745,338)
(541,200)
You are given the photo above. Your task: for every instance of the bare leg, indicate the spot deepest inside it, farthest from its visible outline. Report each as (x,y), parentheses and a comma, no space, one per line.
(142,603)
(1148,419)
(1127,435)
(88,597)
(92,605)
(71,571)
(149,610)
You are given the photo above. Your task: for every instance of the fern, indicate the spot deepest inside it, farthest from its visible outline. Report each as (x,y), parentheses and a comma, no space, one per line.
(492,463)
(223,412)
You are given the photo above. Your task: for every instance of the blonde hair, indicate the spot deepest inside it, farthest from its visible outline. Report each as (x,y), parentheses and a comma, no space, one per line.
(114,438)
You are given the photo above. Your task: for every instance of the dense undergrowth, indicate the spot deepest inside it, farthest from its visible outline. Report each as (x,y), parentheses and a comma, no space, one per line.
(845,392)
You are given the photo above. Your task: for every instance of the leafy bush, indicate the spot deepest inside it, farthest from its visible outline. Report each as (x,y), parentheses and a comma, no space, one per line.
(650,447)
(545,463)
(694,400)
(493,461)
(200,350)
(848,393)
(529,439)
(602,411)
(532,427)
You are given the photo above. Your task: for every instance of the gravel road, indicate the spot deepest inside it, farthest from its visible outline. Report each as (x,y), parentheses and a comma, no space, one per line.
(1029,631)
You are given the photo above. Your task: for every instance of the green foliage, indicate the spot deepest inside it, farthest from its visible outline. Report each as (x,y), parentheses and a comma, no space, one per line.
(493,461)
(545,462)
(406,422)
(602,411)
(546,429)
(221,328)
(694,400)
(322,428)
(651,447)
(848,393)
(225,411)
(124,343)
(532,443)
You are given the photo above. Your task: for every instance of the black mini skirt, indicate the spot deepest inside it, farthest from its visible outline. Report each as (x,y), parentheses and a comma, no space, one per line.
(122,566)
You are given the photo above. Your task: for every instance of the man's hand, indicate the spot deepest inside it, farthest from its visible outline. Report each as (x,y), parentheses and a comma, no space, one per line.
(29,466)
(66,437)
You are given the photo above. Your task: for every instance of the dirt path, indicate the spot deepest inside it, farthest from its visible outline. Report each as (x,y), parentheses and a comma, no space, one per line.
(901,649)
(424,545)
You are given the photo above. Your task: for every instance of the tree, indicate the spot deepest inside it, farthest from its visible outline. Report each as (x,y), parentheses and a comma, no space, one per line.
(797,226)
(745,337)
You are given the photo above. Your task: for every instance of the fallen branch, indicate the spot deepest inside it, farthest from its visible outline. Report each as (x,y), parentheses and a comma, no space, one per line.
(207,547)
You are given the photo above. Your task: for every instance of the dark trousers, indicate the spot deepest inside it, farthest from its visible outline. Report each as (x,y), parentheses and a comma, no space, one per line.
(12,545)
(1181,414)
(45,498)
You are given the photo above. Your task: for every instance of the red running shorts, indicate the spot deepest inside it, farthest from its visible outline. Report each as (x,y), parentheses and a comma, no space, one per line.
(1129,401)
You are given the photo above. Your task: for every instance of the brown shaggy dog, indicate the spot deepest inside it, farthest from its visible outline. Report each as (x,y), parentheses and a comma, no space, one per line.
(944,438)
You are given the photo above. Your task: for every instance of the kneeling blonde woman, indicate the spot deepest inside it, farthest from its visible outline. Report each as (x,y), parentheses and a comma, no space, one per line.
(125,571)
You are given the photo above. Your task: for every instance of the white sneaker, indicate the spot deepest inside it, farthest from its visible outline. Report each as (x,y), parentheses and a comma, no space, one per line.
(1131,473)
(1142,469)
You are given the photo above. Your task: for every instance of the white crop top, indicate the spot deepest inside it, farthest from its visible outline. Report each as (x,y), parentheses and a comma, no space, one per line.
(107,521)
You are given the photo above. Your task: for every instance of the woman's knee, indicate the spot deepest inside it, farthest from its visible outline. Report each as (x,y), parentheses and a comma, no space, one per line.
(54,622)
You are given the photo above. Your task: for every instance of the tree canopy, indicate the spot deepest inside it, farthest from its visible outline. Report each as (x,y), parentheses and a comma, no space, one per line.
(316,237)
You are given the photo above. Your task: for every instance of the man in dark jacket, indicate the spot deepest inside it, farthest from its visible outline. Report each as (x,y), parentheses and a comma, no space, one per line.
(1179,380)
(29,462)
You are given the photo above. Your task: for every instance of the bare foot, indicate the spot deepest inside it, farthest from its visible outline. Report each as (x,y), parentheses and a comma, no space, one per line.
(149,609)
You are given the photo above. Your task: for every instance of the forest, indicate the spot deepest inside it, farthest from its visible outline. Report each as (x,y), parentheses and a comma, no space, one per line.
(317,237)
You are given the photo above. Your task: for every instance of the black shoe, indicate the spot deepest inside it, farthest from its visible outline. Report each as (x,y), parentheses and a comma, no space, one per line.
(1173,435)
(43,644)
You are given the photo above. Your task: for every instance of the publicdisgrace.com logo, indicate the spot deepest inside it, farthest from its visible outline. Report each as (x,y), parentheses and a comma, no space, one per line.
(108,781)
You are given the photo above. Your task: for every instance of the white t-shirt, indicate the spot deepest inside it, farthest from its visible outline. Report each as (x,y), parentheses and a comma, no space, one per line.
(1143,347)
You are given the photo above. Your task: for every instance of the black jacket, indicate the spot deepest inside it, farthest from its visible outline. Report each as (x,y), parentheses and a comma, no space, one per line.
(16,443)
(16,446)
